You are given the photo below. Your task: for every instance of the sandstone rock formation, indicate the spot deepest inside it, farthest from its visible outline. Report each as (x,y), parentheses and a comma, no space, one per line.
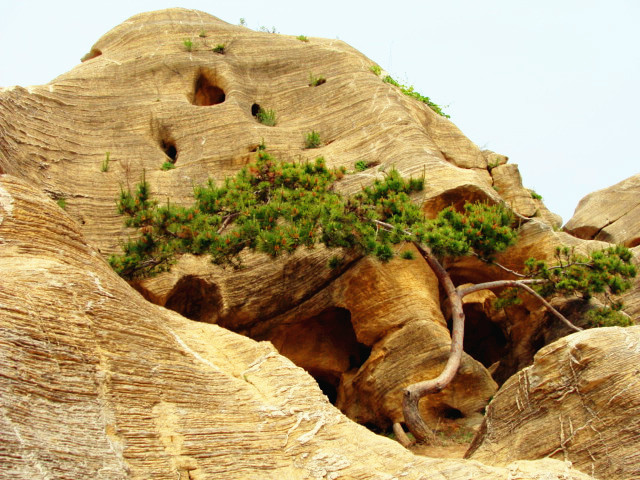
(579,401)
(98,383)
(142,96)
(611,214)
(161,396)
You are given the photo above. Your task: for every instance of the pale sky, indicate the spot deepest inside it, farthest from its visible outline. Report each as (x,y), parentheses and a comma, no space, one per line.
(553,84)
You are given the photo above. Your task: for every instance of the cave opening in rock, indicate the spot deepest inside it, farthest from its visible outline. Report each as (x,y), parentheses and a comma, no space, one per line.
(452,413)
(195,298)
(170,150)
(483,338)
(206,92)
(325,345)
(255,109)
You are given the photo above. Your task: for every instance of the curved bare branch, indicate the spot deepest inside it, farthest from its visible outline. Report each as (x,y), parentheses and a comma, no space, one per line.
(524,284)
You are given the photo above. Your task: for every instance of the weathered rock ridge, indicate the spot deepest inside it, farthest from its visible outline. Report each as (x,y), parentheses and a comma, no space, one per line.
(145,392)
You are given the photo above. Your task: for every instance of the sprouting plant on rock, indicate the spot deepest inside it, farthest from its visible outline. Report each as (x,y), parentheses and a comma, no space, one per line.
(277,207)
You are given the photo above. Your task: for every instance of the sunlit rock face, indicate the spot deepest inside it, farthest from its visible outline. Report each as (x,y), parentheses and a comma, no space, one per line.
(579,401)
(611,214)
(146,392)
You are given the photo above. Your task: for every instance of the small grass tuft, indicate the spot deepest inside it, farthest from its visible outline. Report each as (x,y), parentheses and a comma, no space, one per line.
(188,44)
(62,203)
(104,167)
(376,69)
(312,140)
(219,48)
(314,80)
(202,34)
(407,255)
(535,196)
(302,38)
(267,117)
(168,166)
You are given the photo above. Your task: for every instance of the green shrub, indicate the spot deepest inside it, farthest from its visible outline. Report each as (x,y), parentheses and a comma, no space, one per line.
(361,166)
(168,166)
(202,34)
(302,38)
(407,255)
(608,317)
(188,44)
(62,203)
(219,48)
(376,69)
(312,140)
(314,80)
(267,117)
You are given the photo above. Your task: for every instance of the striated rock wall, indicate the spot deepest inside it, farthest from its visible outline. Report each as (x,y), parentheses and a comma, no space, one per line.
(579,401)
(98,383)
(145,393)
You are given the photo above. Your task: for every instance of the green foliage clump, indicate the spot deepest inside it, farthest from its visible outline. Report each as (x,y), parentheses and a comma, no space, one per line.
(62,203)
(608,317)
(482,229)
(407,255)
(276,207)
(312,140)
(362,165)
(219,48)
(202,34)
(267,117)
(188,44)
(314,80)
(302,38)
(535,196)
(601,271)
(168,166)
(409,91)
(376,69)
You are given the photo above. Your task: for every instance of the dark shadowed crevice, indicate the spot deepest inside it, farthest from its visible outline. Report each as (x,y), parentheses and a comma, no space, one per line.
(255,109)
(206,92)
(170,150)
(483,339)
(194,298)
(325,345)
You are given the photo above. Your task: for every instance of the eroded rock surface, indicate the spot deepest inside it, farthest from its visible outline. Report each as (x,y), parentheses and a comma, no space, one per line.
(611,214)
(579,401)
(98,383)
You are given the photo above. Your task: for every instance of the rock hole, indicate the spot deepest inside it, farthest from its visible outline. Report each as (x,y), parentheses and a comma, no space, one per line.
(206,92)
(483,339)
(452,413)
(255,108)
(195,298)
(170,150)
(324,345)
(328,387)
